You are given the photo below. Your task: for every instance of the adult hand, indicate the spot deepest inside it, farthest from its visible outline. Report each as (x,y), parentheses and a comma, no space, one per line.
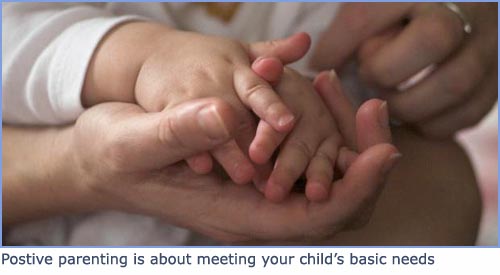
(135,167)
(395,41)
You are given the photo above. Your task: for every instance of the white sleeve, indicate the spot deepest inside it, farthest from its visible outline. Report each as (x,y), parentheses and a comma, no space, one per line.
(46,48)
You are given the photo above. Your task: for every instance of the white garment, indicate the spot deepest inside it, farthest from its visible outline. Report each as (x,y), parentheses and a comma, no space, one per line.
(46,50)
(46,47)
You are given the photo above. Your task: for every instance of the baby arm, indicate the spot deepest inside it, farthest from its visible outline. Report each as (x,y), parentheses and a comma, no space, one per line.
(174,67)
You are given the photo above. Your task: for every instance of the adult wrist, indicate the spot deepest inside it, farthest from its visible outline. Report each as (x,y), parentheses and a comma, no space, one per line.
(40,179)
(74,181)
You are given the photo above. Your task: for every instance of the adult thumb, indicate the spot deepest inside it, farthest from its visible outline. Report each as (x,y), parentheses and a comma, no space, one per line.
(145,141)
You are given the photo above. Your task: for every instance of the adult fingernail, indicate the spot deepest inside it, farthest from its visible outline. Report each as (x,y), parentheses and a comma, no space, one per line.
(212,123)
(390,162)
(383,115)
(334,79)
(333,75)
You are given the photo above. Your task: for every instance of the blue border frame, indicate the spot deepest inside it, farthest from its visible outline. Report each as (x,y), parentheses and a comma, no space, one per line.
(498,141)
(114,247)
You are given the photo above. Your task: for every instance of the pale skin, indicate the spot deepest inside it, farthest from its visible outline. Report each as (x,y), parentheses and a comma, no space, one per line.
(376,231)
(80,175)
(180,66)
(69,178)
(394,41)
(299,94)
(173,69)
(439,207)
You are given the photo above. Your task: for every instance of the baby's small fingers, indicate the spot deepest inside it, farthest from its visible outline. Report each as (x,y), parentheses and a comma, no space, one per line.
(319,173)
(201,163)
(265,143)
(258,95)
(235,162)
(291,163)
(328,86)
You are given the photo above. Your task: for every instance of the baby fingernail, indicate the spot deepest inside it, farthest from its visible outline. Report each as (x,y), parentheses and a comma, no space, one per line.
(383,115)
(212,124)
(334,80)
(390,162)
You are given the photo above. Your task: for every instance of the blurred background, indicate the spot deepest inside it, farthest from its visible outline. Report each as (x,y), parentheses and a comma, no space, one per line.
(481,143)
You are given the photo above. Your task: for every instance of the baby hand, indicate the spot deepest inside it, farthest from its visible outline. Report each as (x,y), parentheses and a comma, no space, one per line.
(312,146)
(191,66)
(159,68)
